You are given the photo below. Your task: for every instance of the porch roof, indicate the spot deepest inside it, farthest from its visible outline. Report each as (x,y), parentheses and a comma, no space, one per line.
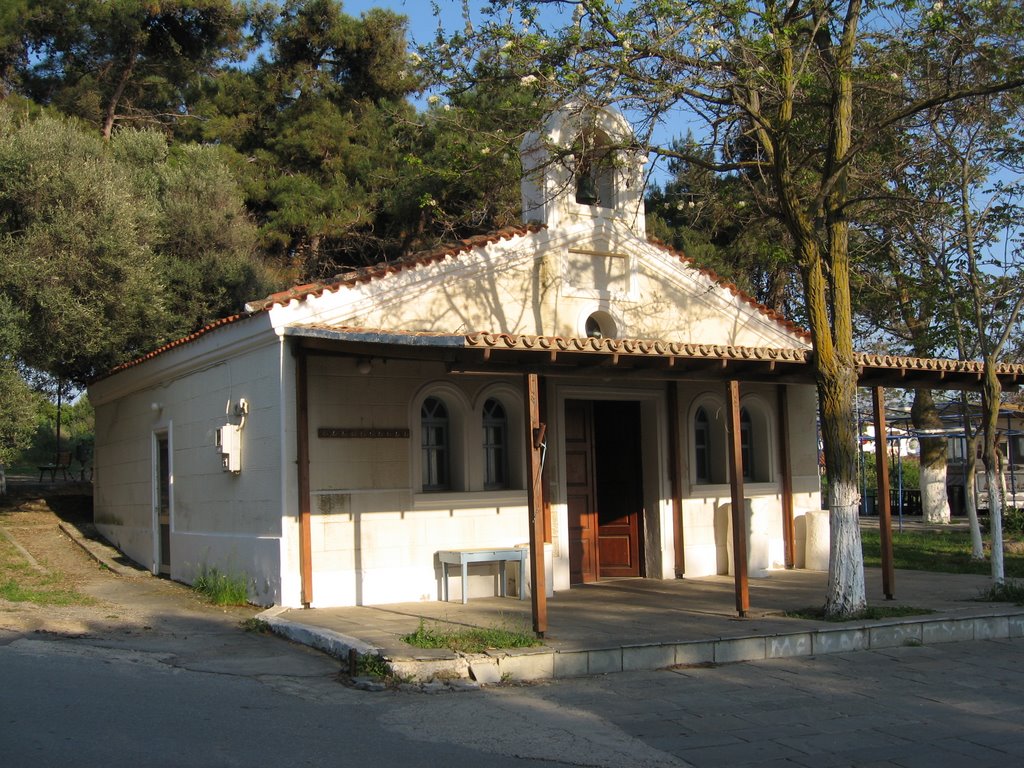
(638,359)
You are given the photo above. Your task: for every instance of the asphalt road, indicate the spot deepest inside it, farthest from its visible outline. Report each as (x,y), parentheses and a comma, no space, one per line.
(106,702)
(147,675)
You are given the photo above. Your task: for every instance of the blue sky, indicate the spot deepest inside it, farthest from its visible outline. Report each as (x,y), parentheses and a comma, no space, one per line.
(422,22)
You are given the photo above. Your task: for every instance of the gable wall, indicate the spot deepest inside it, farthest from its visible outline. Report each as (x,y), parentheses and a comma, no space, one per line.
(548,284)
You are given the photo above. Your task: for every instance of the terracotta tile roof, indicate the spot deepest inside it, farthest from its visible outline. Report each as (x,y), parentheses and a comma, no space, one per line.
(768,312)
(933,365)
(890,369)
(230,320)
(636,347)
(378,271)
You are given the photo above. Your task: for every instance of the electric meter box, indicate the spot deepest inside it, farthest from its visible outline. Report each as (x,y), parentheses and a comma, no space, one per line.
(229,444)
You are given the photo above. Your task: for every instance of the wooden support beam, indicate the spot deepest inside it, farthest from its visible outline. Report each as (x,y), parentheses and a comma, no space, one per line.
(739,516)
(675,450)
(535,438)
(786,470)
(302,462)
(884,505)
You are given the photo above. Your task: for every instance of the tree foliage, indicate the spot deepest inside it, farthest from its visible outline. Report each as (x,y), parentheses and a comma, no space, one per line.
(108,251)
(124,61)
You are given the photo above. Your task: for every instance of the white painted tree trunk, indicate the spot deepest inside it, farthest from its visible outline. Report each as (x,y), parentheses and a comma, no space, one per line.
(995,516)
(971,504)
(934,501)
(847,594)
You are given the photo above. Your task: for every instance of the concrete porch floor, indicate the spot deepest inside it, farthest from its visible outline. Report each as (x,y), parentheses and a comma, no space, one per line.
(622,624)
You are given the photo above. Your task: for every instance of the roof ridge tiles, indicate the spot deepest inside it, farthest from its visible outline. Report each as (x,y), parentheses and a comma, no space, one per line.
(368,273)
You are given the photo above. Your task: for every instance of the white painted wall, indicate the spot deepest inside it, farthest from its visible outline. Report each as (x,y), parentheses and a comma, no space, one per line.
(705,506)
(218,519)
(375,536)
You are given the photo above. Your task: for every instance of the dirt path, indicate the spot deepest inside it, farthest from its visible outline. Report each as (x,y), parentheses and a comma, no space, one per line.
(115,605)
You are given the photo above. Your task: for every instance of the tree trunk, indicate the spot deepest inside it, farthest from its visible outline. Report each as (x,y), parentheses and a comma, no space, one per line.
(110,113)
(991,396)
(934,500)
(971,493)
(845,592)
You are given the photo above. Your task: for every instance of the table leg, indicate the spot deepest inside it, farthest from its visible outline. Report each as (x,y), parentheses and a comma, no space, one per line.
(465,582)
(501,575)
(444,590)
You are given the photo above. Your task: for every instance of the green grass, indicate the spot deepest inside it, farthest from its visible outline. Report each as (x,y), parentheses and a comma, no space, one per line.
(221,588)
(871,613)
(372,665)
(943,551)
(471,639)
(49,592)
(21,583)
(1007,592)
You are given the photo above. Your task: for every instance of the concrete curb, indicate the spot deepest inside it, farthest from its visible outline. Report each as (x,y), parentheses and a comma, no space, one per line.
(327,640)
(546,664)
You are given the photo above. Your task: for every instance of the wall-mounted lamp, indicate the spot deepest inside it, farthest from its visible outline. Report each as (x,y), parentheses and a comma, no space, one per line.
(364,366)
(156,407)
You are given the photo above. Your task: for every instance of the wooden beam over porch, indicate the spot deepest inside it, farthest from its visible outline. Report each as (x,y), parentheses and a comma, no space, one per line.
(535,440)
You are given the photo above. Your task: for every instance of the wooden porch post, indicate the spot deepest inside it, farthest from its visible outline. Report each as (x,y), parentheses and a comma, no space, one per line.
(675,451)
(302,456)
(739,521)
(884,505)
(535,437)
(786,470)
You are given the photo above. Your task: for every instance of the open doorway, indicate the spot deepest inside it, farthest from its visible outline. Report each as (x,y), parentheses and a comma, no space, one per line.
(604,476)
(162,503)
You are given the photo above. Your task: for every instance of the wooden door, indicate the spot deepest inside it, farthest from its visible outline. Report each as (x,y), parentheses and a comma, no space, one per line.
(619,473)
(581,491)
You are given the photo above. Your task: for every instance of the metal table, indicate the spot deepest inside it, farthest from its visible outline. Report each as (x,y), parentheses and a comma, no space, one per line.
(463,557)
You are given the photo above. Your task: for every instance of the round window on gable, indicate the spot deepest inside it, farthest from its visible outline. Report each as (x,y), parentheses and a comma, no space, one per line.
(599,326)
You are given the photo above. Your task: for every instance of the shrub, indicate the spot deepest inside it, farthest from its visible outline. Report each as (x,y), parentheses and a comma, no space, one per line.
(221,588)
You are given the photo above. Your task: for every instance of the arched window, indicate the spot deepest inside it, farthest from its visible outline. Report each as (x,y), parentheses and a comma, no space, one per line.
(747,444)
(702,446)
(434,436)
(495,430)
(595,170)
(756,441)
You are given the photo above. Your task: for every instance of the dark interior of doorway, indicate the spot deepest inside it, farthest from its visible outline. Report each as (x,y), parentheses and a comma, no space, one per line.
(619,466)
(604,469)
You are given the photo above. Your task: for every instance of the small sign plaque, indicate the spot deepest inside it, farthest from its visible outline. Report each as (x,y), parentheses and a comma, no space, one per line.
(358,433)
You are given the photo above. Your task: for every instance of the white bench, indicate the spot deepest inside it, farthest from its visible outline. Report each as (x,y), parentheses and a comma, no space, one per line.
(463,557)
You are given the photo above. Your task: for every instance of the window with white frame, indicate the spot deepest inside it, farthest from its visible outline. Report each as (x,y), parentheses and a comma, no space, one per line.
(435,436)
(708,445)
(702,446)
(755,442)
(747,444)
(495,434)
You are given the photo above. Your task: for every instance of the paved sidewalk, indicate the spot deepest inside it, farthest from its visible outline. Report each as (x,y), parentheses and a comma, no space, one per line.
(636,624)
(943,706)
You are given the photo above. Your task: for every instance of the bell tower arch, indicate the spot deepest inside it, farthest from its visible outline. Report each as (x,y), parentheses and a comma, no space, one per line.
(583,164)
